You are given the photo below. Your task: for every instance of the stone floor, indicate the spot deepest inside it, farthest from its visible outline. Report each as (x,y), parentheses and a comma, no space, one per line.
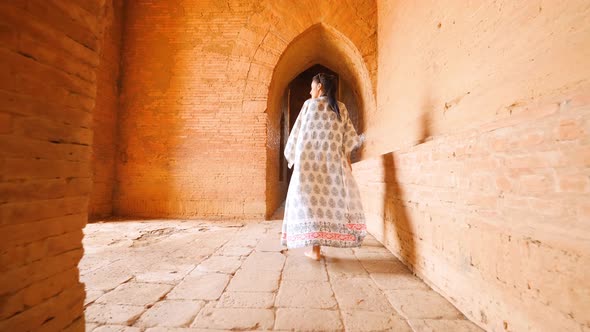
(179,275)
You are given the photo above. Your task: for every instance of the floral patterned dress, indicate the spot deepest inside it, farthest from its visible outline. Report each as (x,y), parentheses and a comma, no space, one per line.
(323,205)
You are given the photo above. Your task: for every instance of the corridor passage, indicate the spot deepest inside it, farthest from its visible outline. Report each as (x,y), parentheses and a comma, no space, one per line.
(179,275)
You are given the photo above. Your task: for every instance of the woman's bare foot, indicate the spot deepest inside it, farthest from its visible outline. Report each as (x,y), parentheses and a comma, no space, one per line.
(314,253)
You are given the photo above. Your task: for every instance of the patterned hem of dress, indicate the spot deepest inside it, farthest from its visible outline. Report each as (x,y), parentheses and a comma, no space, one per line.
(330,239)
(332,225)
(321,242)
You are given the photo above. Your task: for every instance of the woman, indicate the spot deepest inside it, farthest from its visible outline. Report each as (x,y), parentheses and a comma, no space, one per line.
(323,206)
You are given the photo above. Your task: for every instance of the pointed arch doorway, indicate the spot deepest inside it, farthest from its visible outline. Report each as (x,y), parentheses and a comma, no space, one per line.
(320,45)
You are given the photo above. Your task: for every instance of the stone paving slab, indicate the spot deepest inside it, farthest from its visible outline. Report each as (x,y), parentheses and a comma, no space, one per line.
(234,251)
(171,313)
(200,286)
(221,264)
(165,273)
(360,321)
(115,328)
(343,268)
(360,294)
(263,300)
(105,279)
(113,313)
(416,303)
(270,244)
(254,281)
(299,267)
(92,295)
(306,294)
(197,276)
(437,325)
(182,329)
(308,320)
(264,261)
(135,293)
(91,326)
(235,319)
(392,281)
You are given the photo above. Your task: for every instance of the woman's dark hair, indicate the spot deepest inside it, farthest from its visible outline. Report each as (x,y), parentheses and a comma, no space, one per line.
(329,86)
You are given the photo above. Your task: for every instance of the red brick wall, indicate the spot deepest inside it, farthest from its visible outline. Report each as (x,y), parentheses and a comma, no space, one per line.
(196,128)
(479,167)
(48,59)
(104,148)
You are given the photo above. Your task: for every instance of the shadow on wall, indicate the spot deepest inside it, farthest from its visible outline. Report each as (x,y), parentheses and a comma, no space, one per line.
(395,217)
(425,121)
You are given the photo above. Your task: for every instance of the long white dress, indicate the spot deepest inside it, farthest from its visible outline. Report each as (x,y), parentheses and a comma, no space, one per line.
(323,205)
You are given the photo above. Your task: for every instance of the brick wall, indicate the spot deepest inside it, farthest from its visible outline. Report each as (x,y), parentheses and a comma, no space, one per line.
(48,59)
(477,168)
(197,131)
(104,149)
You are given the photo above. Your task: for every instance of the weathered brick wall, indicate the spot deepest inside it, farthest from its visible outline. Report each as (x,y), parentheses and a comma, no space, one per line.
(479,168)
(104,148)
(48,60)
(198,137)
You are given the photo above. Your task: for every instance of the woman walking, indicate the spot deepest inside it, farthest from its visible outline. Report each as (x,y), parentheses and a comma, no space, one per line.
(323,206)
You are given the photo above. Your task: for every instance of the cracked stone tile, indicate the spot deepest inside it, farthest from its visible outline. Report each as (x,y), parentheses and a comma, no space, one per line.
(135,262)
(345,268)
(105,279)
(270,244)
(113,313)
(171,313)
(242,242)
(360,294)
(264,261)
(212,242)
(135,293)
(205,286)
(417,303)
(361,321)
(92,263)
(234,319)
(189,257)
(222,264)
(165,273)
(254,281)
(263,300)
(234,251)
(305,294)
(292,319)
(299,267)
(436,325)
(91,296)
